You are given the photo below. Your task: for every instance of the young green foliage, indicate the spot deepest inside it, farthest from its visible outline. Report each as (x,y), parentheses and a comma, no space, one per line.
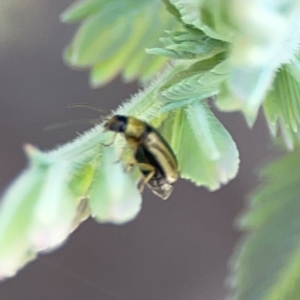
(224,50)
(211,17)
(92,180)
(36,214)
(266,265)
(282,106)
(121,200)
(261,36)
(199,139)
(253,51)
(198,81)
(190,44)
(267,36)
(113,36)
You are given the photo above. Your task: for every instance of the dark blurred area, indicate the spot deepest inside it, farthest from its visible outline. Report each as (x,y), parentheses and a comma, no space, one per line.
(177,249)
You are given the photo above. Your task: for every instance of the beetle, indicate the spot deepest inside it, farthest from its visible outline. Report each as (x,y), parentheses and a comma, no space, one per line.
(154,157)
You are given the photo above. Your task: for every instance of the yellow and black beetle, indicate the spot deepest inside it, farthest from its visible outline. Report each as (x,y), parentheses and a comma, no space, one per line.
(154,157)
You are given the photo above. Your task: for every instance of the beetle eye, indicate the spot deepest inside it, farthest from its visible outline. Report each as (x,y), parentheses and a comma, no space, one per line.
(122,127)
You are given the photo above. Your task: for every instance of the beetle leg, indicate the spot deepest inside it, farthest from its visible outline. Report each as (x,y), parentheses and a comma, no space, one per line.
(113,140)
(146,168)
(131,162)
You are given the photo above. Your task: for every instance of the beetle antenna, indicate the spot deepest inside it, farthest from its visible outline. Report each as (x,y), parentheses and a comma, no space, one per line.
(75,105)
(73,122)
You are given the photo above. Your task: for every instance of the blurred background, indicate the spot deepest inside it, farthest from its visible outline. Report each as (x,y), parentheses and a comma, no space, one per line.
(177,249)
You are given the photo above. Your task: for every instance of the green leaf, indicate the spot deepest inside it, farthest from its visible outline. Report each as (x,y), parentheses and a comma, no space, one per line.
(15,216)
(200,81)
(282,107)
(293,67)
(211,17)
(257,47)
(55,210)
(51,197)
(206,153)
(82,9)
(172,10)
(81,179)
(55,187)
(113,37)
(266,265)
(262,44)
(189,45)
(37,212)
(114,196)
(90,44)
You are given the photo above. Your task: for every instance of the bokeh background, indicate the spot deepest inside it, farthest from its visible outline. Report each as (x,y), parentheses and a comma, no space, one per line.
(176,249)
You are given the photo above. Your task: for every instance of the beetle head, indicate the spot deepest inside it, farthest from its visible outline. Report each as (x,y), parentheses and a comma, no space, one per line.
(117,123)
